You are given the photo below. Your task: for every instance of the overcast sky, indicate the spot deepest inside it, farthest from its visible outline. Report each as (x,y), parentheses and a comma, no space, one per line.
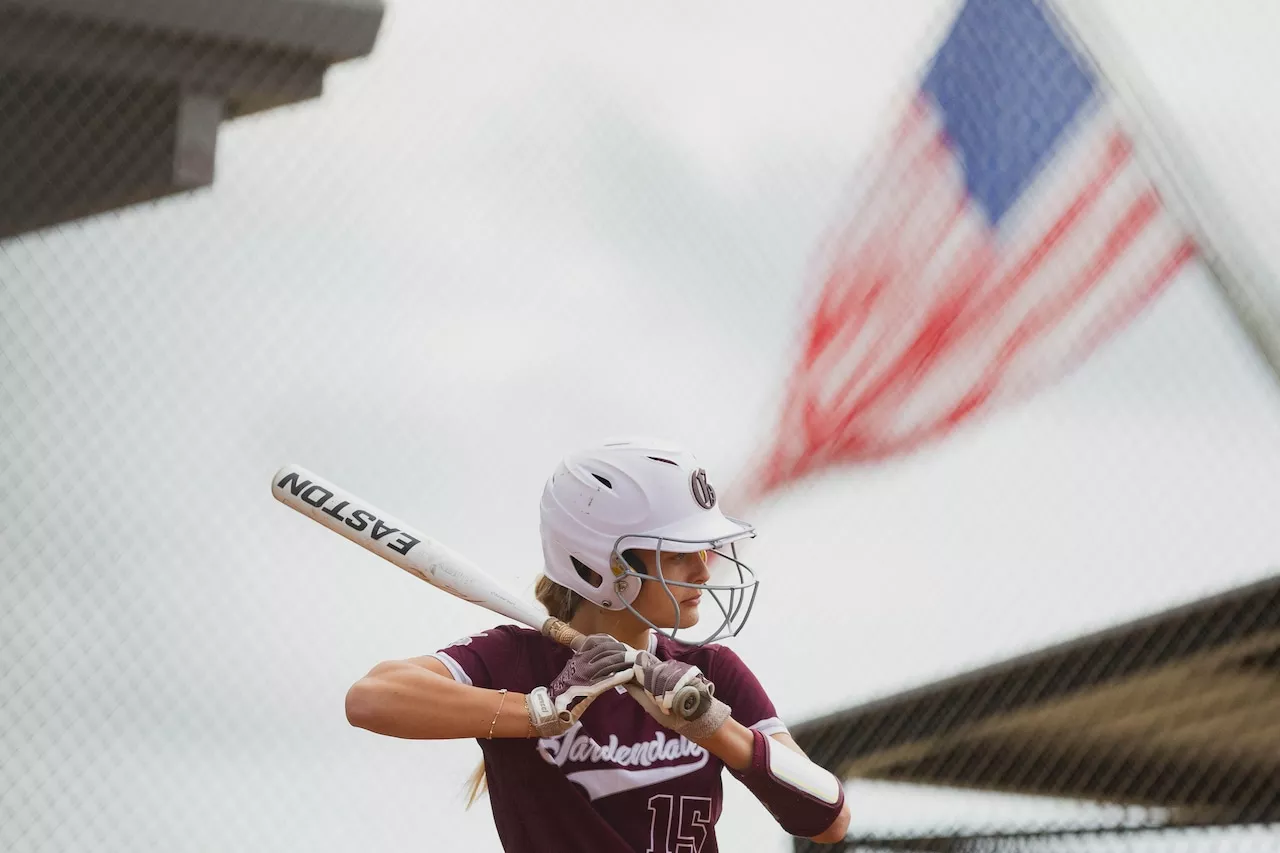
(510,232)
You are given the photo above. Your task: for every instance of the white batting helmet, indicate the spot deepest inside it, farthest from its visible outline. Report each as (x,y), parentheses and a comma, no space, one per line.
(644,494)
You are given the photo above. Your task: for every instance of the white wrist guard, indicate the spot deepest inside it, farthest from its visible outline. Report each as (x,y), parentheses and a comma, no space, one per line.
(542,713)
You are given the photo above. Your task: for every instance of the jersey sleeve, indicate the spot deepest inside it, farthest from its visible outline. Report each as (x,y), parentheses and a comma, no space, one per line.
(480,659)
(738,687)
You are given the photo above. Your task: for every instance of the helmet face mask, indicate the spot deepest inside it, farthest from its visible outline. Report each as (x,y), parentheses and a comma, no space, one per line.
(641,494)
(740,595)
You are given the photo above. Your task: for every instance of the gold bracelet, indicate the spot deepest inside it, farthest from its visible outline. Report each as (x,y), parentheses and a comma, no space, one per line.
(529,717)
(503,694)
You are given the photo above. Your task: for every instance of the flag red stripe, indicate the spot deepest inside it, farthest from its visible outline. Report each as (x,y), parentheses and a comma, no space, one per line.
(1180,254)
(952,320)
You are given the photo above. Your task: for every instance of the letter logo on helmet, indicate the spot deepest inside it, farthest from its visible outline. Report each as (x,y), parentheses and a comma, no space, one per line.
(702,491)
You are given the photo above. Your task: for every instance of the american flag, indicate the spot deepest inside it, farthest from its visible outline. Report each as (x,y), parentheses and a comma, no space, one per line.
(1006,231)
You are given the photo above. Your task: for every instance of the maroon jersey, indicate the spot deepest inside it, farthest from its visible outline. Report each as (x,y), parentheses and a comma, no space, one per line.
(617,781)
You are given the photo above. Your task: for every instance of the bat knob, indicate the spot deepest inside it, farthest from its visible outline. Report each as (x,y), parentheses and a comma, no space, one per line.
(692,701)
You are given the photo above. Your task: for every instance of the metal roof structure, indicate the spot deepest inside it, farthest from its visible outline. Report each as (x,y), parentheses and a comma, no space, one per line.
(1178,712)
(107,103)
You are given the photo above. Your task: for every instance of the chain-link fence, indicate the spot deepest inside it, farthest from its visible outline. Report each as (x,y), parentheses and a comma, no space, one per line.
(1172,718)
(424,251)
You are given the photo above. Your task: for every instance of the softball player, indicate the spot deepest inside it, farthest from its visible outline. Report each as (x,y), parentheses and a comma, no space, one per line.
(576,758)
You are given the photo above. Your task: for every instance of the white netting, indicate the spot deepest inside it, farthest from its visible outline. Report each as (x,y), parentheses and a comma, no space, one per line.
(506,232)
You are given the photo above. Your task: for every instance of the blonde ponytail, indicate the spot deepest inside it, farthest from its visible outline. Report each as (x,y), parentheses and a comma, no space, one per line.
(476,785)
(561,603)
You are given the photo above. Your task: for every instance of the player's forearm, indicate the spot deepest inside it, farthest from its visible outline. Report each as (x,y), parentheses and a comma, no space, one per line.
(406,701)
(732,743)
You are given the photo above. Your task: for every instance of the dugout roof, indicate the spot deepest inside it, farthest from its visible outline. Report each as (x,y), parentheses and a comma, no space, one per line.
(105,103)
(1178,712)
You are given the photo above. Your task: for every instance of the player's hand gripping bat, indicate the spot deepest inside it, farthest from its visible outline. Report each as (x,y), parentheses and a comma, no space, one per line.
(429,560)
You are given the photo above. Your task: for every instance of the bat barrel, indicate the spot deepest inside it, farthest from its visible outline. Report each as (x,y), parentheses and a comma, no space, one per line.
(395,541)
